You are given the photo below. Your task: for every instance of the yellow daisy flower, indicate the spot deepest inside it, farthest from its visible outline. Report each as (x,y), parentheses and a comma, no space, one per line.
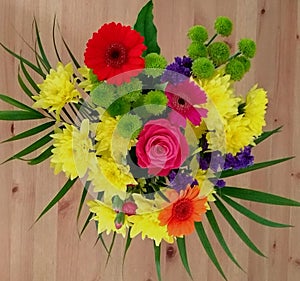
(57,90)
(72,150)
(148,226)
(105,216)
(255,109)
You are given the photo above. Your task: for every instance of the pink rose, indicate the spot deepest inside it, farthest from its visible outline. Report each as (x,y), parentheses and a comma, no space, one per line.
(161,147)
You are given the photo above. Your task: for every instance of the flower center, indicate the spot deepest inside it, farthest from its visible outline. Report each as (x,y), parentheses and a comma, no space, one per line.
(183,209)
(116,55)
(180,105)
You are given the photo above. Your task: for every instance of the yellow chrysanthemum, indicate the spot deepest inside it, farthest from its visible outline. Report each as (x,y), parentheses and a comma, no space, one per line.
(104,133)
(205,185)
(57,90)
(105,216)
(90,81)
(219,96)
(255,109)
(148,226)
(72,150)
(238,134)
(112,178)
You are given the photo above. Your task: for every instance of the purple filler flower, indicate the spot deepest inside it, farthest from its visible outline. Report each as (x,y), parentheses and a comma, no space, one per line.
(178,71)
(241,160)
(179,181)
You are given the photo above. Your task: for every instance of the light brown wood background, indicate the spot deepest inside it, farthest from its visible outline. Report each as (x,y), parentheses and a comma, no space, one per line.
(51,249)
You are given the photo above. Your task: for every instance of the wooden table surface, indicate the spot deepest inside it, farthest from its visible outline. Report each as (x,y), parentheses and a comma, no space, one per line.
(51,250)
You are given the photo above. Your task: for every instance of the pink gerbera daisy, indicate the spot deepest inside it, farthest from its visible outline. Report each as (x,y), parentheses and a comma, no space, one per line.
(185,98)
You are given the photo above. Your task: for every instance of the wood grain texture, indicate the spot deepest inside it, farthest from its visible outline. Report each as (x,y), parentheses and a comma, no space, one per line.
(51,249)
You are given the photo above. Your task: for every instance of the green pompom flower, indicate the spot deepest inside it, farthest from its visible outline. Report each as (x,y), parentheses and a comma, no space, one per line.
(235,69)
(103,95)
(196,50)
(245,61)
(223,26)
(198,33)
(203,68)
(247,47)
(155,102)
(155,64)
(129,125)
(118,107)
(219,52)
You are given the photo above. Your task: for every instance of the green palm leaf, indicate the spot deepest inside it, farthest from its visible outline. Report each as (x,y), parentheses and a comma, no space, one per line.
(266,135)
(157,260)
(18,115)
(42,157)
(236,227)
(17,104)
(207,247)
(251,215)
(215,227)
(183,254)
(257,196)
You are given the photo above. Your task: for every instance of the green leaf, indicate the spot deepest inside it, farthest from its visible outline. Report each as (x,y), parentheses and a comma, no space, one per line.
(42,157)
(111,247)
(207,247)
(87,221)
(42,52)
(127,245)
(145,26)
(29,78)
(82,200)
(256,166)
(33,147)
(251,215)
(215,227)
(24,87)
(21,59)
(59,195)
(31,132)
(18,115)
(257,196)
(17,104)
(183,254)
(236,227)
(102,242)
(266,135)
(157,260)
(54,40)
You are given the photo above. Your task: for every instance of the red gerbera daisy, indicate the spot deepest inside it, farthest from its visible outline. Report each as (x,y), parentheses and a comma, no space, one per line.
(115,49)
(182,213)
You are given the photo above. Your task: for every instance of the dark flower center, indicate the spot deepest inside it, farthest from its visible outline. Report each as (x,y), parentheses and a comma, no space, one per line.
(116,55)
(180,105)
(183,209)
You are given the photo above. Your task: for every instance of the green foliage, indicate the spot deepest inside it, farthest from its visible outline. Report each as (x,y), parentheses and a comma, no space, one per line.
(223,26)
(196,50)
(247,47)
(203,68)
(198,33)
(219,52)
(145,26)
(235,69)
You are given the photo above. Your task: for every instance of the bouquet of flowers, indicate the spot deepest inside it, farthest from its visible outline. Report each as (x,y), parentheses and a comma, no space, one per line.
(152,142)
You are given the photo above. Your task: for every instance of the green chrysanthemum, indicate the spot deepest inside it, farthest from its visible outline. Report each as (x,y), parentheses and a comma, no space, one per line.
(223,26)
(247,47)
(103,95)
(203,68)
(129,125)
(196,50)
(155,102)
(155,64)
(245,61)
(219,52)
(235,69)
(198,33)
(118,107)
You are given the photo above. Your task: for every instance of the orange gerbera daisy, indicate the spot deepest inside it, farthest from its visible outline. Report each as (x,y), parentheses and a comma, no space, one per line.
(183,212)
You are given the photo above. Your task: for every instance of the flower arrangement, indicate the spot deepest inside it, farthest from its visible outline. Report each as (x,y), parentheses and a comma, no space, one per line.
(152,142)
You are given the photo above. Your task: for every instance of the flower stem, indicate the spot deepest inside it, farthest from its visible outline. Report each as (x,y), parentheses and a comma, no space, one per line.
(211,39)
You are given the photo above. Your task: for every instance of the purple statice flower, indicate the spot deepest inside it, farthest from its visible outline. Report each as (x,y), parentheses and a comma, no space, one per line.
(218,183)
(241,160)
(177,71)
(180,180)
